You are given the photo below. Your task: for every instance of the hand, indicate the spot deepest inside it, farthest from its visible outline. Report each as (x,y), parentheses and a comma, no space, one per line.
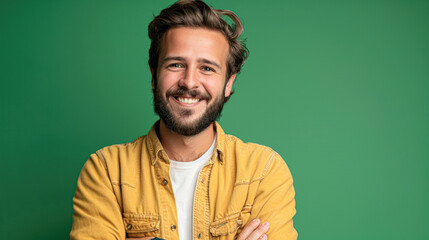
(254,231)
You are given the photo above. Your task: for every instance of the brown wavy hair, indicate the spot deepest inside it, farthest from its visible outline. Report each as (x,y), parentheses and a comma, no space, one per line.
(196,13)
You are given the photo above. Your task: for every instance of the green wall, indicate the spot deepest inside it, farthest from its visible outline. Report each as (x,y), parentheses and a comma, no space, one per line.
(338,88)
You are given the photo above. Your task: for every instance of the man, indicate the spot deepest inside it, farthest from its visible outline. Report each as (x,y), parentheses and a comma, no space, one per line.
(187,179)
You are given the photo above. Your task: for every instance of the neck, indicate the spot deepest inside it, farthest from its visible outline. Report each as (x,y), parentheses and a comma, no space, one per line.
(185,148)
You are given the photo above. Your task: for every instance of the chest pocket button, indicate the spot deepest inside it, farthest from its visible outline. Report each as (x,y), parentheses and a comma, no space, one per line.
(164,182)
(129,227)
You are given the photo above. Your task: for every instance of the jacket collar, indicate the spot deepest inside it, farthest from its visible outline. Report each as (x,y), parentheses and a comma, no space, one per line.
(156,150)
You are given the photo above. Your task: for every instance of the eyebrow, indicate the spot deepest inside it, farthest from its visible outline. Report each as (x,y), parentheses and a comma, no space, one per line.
(200,60)
(173,59)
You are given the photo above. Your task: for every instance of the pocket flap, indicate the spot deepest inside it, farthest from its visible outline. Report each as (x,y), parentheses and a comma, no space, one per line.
(226,225)
(137,223)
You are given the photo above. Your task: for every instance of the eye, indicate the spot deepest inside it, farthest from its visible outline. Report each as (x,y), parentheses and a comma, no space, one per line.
(207,69)
(175,66)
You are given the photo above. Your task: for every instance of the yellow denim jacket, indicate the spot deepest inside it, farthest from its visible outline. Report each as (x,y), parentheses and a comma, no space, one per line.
(125,191)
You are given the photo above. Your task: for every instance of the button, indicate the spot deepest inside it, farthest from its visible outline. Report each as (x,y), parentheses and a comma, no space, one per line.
(200,235)
(202,180)
(129,226)
(164,182)
(173,227)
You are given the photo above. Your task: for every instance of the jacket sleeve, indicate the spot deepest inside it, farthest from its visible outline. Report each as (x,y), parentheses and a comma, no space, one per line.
(275,200)
(96,212)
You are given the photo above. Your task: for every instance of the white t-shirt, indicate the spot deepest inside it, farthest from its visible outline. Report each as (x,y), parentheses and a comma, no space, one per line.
(184,176)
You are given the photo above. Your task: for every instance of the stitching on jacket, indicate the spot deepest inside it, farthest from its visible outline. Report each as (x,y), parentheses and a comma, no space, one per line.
(237,226)
(207,205)
(231,216)
(232,219)
(122,183)
(246,208)
(270,162)
(142,223)
(248,182)
(140,216)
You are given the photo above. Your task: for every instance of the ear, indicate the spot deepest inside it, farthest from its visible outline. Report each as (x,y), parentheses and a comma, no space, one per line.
(153,77)
(229,84)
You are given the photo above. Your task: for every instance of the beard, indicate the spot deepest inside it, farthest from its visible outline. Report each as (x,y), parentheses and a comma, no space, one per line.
(209,116)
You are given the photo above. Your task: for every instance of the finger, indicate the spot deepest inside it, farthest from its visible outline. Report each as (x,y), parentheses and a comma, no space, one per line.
(261,230)
(248,229)
(263,237)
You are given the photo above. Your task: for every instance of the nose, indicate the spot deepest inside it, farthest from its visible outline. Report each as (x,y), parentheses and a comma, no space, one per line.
(190,79)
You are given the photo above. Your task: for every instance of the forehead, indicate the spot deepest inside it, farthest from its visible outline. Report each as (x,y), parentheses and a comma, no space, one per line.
(190,43)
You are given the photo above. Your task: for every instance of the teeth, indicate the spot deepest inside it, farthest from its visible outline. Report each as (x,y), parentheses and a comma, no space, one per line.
(188,100)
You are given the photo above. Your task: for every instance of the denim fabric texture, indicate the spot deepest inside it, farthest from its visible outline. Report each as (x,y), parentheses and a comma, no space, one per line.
(125,191)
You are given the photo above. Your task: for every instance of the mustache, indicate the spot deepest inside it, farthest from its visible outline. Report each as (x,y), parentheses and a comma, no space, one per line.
(189,93)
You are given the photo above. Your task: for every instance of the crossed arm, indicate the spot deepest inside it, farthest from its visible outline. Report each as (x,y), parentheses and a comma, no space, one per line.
(95,205)
(255,230)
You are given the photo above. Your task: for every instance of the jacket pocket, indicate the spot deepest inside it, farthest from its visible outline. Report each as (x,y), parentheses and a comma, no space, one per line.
(226,228)
(140,225)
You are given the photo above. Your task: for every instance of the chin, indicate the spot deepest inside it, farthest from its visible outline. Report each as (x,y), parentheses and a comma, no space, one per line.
(189,127)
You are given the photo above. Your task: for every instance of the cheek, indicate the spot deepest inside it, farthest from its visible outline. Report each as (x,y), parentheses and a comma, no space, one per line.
(165,80)
(214,87)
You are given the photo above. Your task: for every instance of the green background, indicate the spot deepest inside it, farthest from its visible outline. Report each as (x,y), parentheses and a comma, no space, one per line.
(338,88)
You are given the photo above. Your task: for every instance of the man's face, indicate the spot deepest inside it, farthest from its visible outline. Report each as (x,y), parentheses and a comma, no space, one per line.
(191,84)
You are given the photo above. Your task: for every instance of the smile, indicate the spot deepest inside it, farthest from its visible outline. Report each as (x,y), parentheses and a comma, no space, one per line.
(187,100)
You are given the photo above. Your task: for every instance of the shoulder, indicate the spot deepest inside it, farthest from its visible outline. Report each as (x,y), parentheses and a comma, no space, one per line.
(249,150)
(256,159)
(114,154)
(233,146)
